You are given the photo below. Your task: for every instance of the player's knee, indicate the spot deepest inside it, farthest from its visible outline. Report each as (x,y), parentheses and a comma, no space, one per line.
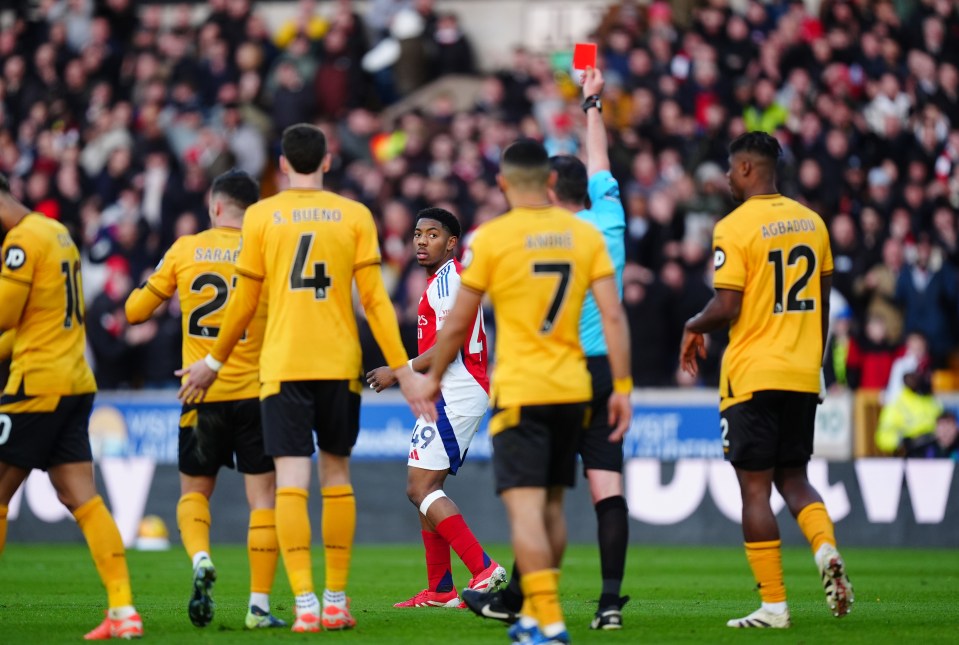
(416,491)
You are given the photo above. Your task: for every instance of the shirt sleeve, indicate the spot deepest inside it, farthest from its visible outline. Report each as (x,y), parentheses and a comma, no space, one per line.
(602,265)
(827,265)
(19,262)
(250,262)
(163,281)
(20,257)
(603,190)
(367,242)
(477,263)
(445,297)
(729,260)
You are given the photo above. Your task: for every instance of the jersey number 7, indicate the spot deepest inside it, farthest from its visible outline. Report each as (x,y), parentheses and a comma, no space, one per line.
(563,270)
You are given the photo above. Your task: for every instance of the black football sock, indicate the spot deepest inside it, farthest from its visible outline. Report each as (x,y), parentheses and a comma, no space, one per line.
(613,530)
(512,595)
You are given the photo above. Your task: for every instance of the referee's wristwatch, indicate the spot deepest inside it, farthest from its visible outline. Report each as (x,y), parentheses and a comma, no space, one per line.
(593,101)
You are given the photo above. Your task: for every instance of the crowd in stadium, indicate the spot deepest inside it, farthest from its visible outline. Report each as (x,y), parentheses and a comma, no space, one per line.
(115,116)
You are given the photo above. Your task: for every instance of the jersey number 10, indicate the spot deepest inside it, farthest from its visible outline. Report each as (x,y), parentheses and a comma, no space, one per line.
(74,309)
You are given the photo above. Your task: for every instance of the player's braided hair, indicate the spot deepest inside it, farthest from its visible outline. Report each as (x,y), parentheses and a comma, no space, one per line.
(760,143)
(4,184)
(444,217)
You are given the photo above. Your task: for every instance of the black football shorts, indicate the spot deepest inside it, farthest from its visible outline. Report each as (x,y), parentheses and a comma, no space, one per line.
(536,445)
(211,434)
(772,429)
(44,439)
(331,409)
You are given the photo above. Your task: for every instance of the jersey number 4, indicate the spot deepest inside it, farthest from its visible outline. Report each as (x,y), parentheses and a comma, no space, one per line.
(562,270)
(319,282)
(793,301)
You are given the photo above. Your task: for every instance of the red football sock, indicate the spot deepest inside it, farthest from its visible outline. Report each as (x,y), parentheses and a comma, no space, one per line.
(461,539)
(438,574)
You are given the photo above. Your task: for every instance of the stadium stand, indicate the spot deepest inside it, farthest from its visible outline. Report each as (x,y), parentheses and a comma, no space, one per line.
(115,115)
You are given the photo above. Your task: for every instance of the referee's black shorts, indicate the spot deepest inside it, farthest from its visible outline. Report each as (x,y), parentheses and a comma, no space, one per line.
(595,449)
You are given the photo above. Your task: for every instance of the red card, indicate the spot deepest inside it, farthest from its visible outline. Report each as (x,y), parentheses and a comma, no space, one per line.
(584,55)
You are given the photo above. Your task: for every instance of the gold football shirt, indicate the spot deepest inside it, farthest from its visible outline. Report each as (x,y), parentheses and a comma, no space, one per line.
(308,244)
(48,349)
(202,268)
(537,264)
(774,250)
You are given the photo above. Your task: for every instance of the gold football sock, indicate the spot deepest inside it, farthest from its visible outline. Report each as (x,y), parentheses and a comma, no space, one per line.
(539,588)
(815,524)
(262,549)
(293,535)
(3,527)
(193,518)
(106,547)
(765,559)
(339,525)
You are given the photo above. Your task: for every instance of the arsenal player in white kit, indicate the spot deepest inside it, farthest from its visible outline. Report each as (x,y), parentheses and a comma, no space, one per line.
(437,450)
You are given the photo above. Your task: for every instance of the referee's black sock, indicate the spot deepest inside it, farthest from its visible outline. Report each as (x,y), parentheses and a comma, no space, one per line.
(613,530)
(512,595)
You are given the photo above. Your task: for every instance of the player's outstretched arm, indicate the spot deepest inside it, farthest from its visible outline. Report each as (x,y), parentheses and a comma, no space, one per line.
(597,143)
(382,377)
(239,312)
(721,310)
(616,332)
(141,304)
(382,318)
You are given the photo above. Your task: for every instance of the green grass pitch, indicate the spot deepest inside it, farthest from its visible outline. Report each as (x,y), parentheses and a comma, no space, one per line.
(50,594)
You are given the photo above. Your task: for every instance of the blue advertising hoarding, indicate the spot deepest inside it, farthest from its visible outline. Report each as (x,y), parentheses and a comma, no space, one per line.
(666,425)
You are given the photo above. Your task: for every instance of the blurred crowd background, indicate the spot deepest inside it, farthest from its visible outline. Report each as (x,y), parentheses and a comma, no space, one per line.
(116,115)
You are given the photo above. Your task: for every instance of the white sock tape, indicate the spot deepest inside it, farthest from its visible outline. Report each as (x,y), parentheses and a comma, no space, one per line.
(429,499)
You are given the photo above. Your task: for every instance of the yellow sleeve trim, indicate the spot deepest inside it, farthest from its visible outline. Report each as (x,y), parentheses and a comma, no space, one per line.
(611,274)
(25,283)
(157,292)
(368,263)
(826,273)
(467,285)
(247,274)
(731,287)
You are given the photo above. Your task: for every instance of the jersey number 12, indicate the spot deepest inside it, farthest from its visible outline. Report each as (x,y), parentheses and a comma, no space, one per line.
(793,301)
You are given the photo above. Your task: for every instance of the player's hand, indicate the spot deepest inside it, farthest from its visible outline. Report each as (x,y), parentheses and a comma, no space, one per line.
(620,415)
(593,82)
(822,385)
(380,378)
(693,346)
(420,391)
(199,379)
